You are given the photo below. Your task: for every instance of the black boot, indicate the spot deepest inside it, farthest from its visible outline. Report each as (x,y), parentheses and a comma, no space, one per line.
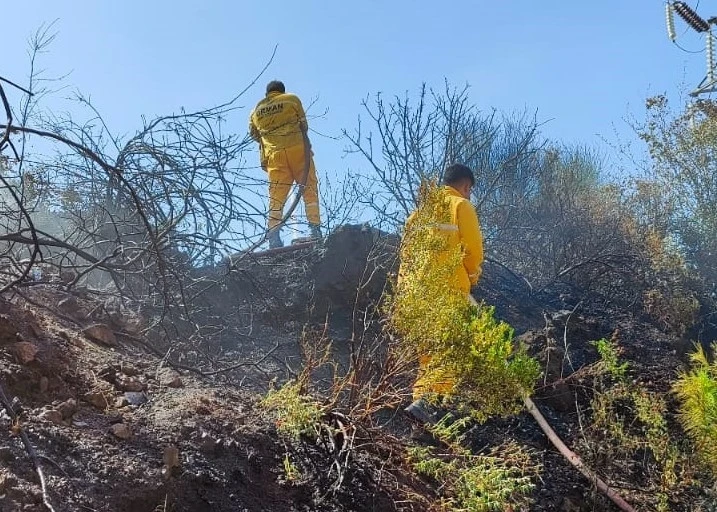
(275,240)
(315,231)
(422,411)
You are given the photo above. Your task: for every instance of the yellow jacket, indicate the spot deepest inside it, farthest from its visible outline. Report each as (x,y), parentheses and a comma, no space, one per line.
(278,122)
(464,231)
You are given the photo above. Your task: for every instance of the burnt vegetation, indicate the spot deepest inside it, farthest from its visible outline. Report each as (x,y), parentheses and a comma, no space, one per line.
(152,239)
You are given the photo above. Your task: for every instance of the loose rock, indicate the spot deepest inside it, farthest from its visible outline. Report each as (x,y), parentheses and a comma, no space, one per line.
(68,408)
(172,381)
(135,398)
(121,431)
(129,370)
(97,399)
(51,415)
(24,351)
(101,334)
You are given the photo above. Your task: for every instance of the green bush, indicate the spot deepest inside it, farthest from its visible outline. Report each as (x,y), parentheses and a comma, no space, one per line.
(478,483)
(628,424)
(696,390)
(296,413)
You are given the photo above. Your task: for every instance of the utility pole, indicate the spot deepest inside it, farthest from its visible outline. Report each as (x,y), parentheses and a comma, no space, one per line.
(700,25)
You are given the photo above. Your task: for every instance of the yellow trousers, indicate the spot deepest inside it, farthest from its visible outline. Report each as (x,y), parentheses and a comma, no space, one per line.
(441,387)
(286,167)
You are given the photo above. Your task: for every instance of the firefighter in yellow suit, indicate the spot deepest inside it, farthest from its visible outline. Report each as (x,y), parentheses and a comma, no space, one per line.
(462,231)
(278,123)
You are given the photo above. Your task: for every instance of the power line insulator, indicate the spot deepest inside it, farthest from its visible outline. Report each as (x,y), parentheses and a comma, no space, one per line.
(670,18)
(710,57)
(691,17)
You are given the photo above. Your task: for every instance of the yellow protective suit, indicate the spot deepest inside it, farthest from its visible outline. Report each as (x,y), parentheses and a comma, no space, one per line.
(278,123)
(463,231)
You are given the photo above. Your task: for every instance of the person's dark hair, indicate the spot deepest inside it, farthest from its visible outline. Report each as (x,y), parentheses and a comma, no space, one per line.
(275,86)
(456,173)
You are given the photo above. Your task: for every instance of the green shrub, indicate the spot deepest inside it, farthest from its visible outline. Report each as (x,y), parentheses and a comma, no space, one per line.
(296,413)
(696,390)
(478,483)
(628,422)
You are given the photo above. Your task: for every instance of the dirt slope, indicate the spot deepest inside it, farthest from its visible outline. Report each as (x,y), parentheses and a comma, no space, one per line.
(117,430)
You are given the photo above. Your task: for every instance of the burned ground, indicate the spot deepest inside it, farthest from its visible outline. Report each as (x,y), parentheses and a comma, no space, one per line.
(117,428)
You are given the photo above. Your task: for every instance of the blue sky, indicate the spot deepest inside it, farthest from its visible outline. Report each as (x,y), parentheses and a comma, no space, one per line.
(582,65)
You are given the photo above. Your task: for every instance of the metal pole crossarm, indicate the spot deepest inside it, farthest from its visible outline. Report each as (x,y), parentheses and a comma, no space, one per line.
(706,86)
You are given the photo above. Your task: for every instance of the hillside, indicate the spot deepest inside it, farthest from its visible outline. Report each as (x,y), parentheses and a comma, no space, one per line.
(116,428)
